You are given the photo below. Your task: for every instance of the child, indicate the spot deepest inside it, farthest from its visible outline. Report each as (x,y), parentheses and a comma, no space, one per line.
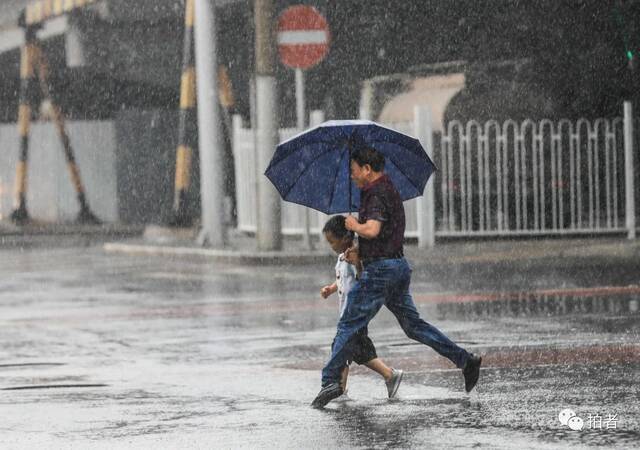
(360,348)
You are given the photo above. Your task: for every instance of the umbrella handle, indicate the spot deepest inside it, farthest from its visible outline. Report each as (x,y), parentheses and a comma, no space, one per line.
(349,174)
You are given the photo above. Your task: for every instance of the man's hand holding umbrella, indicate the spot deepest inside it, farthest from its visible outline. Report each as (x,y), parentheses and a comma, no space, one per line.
(368,230)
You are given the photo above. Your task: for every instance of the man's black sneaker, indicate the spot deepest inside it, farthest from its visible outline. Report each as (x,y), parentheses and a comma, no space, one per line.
(471,372)
(326,394)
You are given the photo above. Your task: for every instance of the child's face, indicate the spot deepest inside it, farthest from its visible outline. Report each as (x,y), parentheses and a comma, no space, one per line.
(338,245)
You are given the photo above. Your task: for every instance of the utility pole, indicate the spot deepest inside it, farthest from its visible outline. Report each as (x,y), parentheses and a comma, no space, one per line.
(269,233)
(213,231)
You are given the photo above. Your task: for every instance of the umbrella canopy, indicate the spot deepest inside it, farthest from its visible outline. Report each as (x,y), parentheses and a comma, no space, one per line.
(312,168)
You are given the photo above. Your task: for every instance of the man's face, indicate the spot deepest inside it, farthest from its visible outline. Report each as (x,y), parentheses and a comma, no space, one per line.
(360,174)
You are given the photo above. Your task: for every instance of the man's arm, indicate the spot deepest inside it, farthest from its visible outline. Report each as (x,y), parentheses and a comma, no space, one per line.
(368,230)
(353,257)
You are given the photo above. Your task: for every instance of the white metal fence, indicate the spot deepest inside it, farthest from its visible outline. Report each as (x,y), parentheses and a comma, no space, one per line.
(494,178)
(247,173)
(531,177)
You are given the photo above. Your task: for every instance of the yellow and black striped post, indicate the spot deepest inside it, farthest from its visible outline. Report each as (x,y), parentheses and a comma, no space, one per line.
(225,95)
(187,124)
(227,101)
(31,19)
(28,57)
(39,11)
(85,215)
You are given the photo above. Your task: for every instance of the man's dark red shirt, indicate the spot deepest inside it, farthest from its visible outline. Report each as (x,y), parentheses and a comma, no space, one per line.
(381,201)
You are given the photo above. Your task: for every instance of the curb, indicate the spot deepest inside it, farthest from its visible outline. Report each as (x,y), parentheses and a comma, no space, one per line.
(70,230)
(222,255)
(56,236)
(438,262)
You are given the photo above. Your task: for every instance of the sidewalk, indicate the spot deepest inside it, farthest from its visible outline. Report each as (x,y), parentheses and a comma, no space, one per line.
(49,234)
(241,248)
(447,255)
(515,253)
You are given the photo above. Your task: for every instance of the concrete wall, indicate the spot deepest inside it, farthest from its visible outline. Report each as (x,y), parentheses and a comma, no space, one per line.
(148,54)
(127,166)
(50,193)
(146,165)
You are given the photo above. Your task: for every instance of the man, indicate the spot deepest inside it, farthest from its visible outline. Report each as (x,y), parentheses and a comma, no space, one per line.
(385,279)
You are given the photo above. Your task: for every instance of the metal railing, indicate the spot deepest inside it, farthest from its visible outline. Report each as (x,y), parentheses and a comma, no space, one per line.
(495,179)
(247,173)
(531,177)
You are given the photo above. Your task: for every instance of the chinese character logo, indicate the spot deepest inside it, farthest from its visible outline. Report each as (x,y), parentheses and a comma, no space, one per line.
(575,423)
(565,415)
(569,418)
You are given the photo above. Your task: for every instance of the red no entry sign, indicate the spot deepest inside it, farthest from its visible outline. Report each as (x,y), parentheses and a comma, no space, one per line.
(303,37)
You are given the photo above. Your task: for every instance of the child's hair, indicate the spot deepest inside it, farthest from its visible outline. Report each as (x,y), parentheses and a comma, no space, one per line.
(336,227)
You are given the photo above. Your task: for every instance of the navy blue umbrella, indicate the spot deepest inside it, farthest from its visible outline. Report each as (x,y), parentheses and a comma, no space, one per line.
(312,168)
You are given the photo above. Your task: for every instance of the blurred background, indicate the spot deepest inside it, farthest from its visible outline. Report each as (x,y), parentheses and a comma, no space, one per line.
(115,71)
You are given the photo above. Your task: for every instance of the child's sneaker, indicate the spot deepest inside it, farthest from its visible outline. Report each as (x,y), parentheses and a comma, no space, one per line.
(394,383)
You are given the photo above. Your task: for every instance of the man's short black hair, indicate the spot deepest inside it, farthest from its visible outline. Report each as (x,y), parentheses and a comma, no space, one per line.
(368,155)
(336,227)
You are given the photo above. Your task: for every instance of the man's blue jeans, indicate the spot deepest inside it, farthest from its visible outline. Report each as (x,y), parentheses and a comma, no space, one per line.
(386,282)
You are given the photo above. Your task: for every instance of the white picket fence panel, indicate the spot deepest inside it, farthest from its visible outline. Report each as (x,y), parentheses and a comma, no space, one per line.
(531,177)
(247,173)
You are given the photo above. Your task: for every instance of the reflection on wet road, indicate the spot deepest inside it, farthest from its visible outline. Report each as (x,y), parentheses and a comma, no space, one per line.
(102,350)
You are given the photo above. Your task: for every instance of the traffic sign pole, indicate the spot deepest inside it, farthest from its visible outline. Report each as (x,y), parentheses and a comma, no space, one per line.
(300,100)
(301,122)
(303,41)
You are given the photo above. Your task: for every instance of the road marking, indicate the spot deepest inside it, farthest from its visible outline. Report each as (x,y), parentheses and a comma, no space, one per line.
(505,358)
(10,366)
(515,295)
(52,386)
(292,305)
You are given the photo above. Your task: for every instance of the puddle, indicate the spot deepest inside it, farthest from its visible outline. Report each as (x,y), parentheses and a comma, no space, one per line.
(536,305)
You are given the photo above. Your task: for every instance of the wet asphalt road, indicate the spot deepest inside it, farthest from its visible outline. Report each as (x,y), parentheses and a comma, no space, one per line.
(114,351)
